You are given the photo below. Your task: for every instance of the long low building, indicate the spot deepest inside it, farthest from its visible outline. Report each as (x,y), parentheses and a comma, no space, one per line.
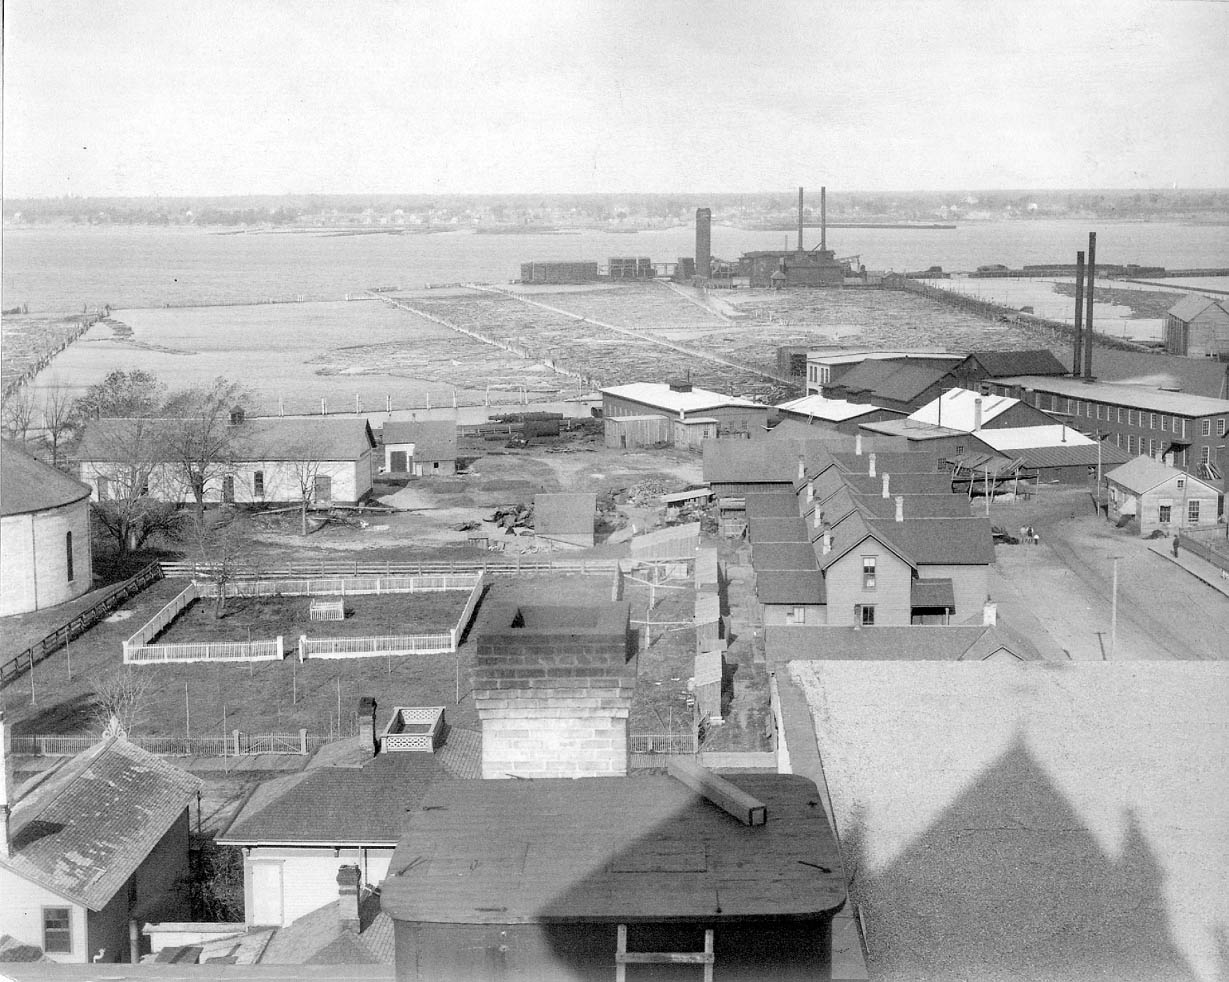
(682,403)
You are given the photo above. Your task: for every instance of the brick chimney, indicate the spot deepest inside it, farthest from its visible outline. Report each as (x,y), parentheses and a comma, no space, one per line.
(348,880)
(553,689)
(802,468)
(885,484)
(810,491)
(857,444)
(989,614)
(977,414)
(900,507)
(827,546)
(817,516)
(8,792)
(367,724)
(871,471)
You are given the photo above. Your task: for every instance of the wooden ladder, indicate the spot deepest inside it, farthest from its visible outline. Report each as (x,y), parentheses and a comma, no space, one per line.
(623,957)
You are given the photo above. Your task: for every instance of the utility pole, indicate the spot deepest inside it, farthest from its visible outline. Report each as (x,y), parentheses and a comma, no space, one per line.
(1114,611)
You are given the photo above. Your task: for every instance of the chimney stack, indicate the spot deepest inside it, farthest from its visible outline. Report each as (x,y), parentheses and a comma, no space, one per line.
(348,879)
(900,507)
(977,414)
(8,792)
(871,471)
(857,444)
(704,242)
(885,484)
(990,614)
(817,516)
(827,546)
(802,468)
(367,724)
(1090,274)
(800,219)
(810,492)
(1078,331)
(823,219)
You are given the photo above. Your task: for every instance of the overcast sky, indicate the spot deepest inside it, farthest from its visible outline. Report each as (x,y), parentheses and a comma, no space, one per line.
(158,97)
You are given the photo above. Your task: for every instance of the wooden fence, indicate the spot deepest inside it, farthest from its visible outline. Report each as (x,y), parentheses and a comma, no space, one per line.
(663,743)
(411,644)
(78,625)
(344,586)
(357,569)
(138,650)
(236,744)
(1196,548)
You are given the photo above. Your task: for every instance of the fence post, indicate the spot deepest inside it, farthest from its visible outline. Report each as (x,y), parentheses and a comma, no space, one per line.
(303,741)
(302,648)
(236,736)
(281,651)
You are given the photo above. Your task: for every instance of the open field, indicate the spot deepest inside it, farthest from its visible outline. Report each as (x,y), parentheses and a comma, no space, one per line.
(267,617)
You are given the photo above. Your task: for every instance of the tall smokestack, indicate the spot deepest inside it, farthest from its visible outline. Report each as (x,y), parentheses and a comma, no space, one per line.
(1091,275)
(704,242)
(823,219)
(1079,314)
(800,219)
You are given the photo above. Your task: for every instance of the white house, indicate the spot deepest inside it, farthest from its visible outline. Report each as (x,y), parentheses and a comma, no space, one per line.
(1158,496)
(267,460)
(426,448)
(45,556)
(91,849)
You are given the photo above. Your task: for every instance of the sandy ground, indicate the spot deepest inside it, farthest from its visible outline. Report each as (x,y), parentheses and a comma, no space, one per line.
(1063,589)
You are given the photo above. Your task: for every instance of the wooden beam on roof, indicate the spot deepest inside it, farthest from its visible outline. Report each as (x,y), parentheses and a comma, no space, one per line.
(746,808)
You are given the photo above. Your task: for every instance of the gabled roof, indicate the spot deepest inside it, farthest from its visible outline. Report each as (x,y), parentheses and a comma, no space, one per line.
(331,806)
(1142,474)
(569,513)
(317,938)
(901,482)
(940,541)
(854,529)
(781,504)
(830,410)
(913,643)
(795,429)
(911,380)
(82,830)
(1035,361)
(432,439)
(792,587)
(867,376)
(777,557)
(945,505)
(956,409)
(28,485)
(255,439)
(773,461)
(1186,309)
(918,461)
(659,395)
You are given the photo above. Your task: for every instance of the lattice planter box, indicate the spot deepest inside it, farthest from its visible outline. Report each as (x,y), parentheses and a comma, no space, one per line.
(328,610)
(414,729)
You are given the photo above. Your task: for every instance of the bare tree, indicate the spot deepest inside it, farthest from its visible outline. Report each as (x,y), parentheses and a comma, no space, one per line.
(17,413)
(59,418)
(304,471)
(119,701)
(207,430)
(222,545)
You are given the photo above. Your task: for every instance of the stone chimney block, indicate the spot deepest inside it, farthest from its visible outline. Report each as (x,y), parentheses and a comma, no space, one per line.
(857,444)
(977,414)
(871,470)
(810,491)
(885,485)
(348,880)
(827,547)
(367,724)
(990,614)
(802,468)
(900,506)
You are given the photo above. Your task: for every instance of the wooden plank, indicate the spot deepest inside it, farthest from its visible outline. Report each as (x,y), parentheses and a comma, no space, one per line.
(747,809)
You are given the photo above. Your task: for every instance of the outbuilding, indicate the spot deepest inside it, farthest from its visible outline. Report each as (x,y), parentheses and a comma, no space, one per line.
(426,448)
(1159,497)
(1198,327)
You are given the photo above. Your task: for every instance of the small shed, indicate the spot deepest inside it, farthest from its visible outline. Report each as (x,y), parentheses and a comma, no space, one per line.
(629,432)
(567,518)
(1198,327)
(426,448)
(561,879)
(709,673)
(1158,496)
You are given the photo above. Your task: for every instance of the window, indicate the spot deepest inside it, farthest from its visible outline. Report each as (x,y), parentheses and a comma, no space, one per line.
(68,550)
(1220,426)
(1120,414)
(1152,449)
(1181,483)
(1130,443)
(58,930)
(228,489)
(1118,439)
(868,572)
(1205,427)
(1192,512)
(1152,421)
(103,488)
(1088,409)
(1130,417)
(1205,455)
(1071,406)
(796,616)
(825,373)
(864,614)
(1162,423)
(258,484)
(1163,514)
(960,448)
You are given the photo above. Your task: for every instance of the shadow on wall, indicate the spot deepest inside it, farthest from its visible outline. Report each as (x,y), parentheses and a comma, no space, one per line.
(1009,884)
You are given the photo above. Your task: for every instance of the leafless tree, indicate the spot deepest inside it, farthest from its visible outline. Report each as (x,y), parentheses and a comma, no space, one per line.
(222,544)
(120,699)
(304,471)
(205,434)
(59,418)
(17,413)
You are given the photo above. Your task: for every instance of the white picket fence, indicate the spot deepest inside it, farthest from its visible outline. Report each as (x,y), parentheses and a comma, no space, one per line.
(344,586)
(206,651)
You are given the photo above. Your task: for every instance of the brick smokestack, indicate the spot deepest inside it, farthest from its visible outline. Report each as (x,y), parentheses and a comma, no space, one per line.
(823,219)
(810,492)
(348,880)
(800,219)
(367,724)
(704,242)
(817,516)
(1091,275)
(1078,331)
(553,688)
(8,791)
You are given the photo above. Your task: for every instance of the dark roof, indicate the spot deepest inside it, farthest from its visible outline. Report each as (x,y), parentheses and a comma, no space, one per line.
(28,485)
(432,439)
(764,529)
(940,541)
(338,805)
(612,850)
(796,429)
(1070,456)
(933,593)
(829,483)
(778,556)
(902,482)
(916,505)
(82,829)
(910,381)
(259,438)
(570,513)
(1035,361)
(913,461)
(792,587)
(854,528)
(760,461)
(318,938)
(775,504)
(866,376)
(917,642)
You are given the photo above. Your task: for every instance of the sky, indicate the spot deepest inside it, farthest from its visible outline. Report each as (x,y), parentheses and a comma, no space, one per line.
(227,97)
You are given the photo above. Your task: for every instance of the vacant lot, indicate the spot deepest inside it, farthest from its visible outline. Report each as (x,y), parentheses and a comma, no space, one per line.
(266,617)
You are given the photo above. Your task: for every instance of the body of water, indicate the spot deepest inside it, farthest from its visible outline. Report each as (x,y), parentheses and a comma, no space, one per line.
(64,268)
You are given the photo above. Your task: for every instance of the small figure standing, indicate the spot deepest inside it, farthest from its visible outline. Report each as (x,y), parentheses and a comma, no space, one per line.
(1175,547)
(1028,535)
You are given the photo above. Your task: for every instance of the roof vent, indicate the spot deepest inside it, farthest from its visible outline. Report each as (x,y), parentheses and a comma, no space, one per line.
(680,385)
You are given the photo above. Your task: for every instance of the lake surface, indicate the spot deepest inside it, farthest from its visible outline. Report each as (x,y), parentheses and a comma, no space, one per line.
(60,269)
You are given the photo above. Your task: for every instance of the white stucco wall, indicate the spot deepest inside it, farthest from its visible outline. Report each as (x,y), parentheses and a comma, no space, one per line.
(21,915)
(34,558)
(309,875)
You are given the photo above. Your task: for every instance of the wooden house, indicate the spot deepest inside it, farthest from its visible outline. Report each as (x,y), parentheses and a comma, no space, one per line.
(426,448)
(1158,497)
(1197,327)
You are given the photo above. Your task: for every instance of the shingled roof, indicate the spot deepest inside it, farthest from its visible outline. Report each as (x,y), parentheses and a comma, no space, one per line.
(28,485)
(255,439)
(1034,361)
(432,439)
(82,829)
(941,541)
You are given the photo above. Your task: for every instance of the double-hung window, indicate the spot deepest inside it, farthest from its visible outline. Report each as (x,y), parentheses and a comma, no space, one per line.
(868,572)
(58,930)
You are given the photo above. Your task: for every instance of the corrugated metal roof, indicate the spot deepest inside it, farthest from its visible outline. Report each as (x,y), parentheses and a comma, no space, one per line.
(1110,455)
(28,485)
(659,395)
(1121,394)
(82,830)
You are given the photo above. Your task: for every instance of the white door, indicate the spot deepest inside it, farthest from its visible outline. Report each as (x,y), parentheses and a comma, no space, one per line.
(266,894)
